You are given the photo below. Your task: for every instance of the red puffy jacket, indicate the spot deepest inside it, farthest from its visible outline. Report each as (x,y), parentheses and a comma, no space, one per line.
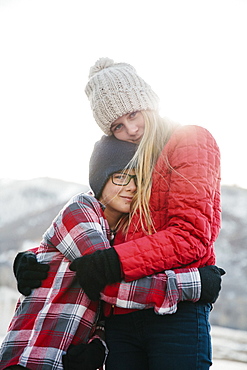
(185,207)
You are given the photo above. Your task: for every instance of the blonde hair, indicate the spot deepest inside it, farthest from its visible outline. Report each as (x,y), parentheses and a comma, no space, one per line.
(156,134)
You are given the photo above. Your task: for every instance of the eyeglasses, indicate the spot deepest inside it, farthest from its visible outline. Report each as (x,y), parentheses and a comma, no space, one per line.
(122,179)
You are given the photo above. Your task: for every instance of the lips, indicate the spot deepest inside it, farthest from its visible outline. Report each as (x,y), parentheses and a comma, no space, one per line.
(129,199)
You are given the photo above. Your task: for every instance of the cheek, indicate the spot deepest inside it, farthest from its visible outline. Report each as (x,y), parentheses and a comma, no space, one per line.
(141,124)
(121,136)
(109,193)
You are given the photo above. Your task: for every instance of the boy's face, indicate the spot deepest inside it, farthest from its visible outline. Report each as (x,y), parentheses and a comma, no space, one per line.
(117,199)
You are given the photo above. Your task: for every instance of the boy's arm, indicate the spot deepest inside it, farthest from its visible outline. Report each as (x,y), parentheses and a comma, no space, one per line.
(77,230)
(165,290)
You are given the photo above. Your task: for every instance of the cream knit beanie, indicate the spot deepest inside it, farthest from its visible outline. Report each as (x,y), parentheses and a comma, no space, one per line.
(115,89)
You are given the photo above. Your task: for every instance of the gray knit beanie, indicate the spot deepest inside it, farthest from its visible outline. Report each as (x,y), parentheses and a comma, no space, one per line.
(115,89)
(109,155)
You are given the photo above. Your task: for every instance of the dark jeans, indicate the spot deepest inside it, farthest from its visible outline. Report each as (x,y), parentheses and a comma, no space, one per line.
(143,340)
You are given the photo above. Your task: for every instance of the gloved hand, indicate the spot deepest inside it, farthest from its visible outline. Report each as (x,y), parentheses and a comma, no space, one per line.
(95,271)
(28,272)
(84,356)
(210,283)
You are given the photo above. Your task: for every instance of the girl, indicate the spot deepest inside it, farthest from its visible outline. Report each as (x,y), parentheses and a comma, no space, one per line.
(174,222)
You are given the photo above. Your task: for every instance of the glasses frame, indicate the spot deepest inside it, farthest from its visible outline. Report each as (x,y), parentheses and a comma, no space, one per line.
(126,174)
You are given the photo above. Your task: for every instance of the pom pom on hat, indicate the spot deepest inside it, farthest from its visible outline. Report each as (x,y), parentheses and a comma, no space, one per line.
(99,65)
(115,89)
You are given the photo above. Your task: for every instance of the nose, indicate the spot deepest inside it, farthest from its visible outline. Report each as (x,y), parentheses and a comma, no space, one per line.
(131,128)
(131,185)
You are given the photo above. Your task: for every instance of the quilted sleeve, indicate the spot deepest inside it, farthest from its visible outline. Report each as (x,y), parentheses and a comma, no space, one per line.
(191,208)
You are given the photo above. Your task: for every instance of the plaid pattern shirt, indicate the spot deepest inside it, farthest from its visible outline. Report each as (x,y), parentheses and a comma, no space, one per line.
(160,291)
(59,313)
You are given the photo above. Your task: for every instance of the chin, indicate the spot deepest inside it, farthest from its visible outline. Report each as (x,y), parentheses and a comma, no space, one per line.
(125,210)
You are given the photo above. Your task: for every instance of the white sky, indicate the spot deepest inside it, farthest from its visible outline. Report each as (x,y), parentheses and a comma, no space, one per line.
(193,53)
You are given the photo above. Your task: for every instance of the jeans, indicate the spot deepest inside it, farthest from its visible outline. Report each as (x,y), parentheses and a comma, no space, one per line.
(143,340)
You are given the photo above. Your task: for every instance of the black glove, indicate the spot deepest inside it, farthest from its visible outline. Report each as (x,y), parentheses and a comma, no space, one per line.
(210,283)
(28,272)
(84,356)
(95,271)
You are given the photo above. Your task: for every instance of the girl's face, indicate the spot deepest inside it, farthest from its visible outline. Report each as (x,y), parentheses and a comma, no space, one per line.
(129,127)
(117,199)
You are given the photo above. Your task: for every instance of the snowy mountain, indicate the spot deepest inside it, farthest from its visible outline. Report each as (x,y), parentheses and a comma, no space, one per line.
(231,252)
(23,198)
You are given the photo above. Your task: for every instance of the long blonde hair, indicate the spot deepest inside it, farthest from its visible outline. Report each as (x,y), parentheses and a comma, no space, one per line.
(156,134)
